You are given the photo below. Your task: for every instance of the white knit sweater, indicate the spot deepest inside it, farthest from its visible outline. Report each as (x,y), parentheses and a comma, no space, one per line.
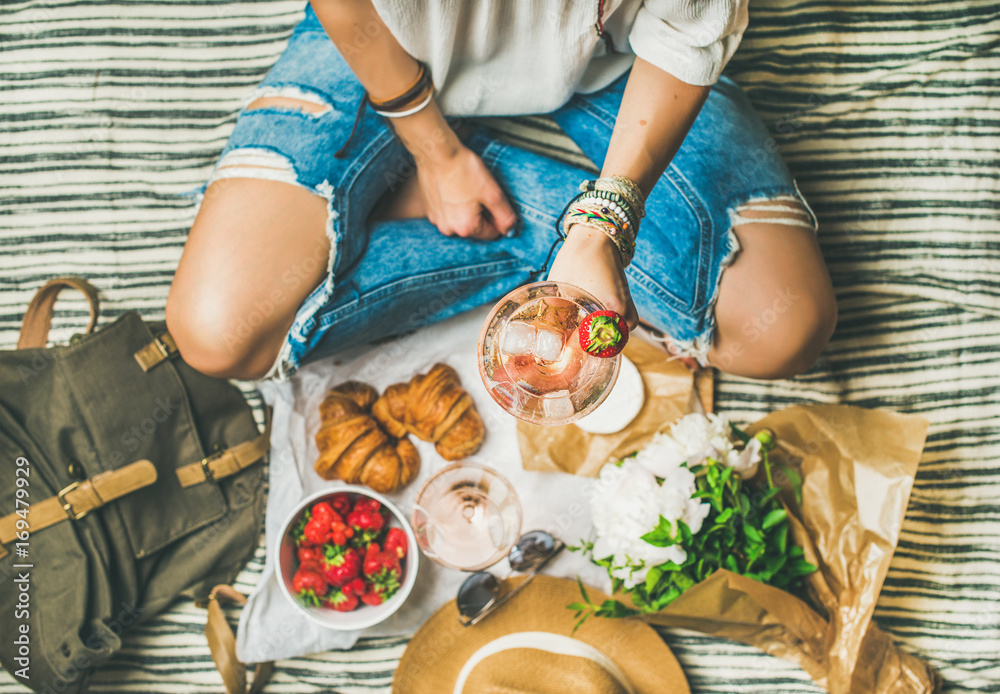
(510,57)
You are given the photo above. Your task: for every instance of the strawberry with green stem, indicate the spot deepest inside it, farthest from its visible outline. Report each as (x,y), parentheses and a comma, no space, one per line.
(341,600)
(382,574)
(309,585)
(603,334)
(366,523)
(396,542)
(341,565)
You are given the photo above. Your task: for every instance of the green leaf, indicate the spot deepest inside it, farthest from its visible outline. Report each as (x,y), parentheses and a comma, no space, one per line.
(770,494)
(752,533)
(740,434)
(773,518)
(726,474)
(795,479)
(612,609)
(800,567)
(657,538)
(713,475)
(744,504)
(666,599)
(583,591)
(731,564)
(652,577)
(724,516)
(774,564)
(685,532)
(683,581)
(781,538)
(796,552)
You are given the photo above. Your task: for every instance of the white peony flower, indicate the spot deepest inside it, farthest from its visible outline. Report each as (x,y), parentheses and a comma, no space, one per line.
(628,500)
(745,462)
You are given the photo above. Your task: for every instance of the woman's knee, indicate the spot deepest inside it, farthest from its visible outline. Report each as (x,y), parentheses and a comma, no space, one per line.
(776,310)
(777,340)
(219,336)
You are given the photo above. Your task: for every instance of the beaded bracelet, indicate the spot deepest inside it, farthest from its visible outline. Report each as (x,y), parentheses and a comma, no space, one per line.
(595,214)
(612,205)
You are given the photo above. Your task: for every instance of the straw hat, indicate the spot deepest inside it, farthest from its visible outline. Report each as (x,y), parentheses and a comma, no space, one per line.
(526,646)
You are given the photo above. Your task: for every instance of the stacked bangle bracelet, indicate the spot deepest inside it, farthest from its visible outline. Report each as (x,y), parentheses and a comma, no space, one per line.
(613,205)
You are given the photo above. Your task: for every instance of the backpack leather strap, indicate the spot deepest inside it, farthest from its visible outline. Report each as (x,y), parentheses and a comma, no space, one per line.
(78,499)
(222,644)
(38,318)
(162,347)
(229,461)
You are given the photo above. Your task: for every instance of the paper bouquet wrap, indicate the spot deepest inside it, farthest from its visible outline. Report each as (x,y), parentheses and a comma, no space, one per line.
(857,468)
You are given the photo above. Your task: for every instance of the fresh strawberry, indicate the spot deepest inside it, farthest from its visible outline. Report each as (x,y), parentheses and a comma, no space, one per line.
(307,554)
(314,565)
(390,565)
(396,542)
(341,503)
(316,532)
(374,595)
(373,559)
(323,512)
(365,521)
(603,334)
(340,533)
(341,601)
(357,586)
(309,586)
(380,586)
(341,565)
(298,532)
(366,503)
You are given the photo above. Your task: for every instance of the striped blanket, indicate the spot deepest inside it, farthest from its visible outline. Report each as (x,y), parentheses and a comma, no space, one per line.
(886,112)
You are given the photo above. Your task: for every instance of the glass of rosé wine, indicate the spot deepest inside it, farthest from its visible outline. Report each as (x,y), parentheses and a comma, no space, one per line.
(548,352)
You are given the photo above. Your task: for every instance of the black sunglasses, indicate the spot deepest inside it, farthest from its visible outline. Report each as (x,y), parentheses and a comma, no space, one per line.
(480,593)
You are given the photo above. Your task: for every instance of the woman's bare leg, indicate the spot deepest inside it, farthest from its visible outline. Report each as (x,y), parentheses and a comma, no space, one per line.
(255,252)
(776,308)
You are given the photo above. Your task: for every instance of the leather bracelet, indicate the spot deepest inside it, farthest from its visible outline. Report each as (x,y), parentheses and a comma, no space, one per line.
(416,92)
(409,112)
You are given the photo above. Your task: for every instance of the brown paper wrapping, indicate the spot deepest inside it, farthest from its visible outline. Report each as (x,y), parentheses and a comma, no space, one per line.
(858,468)
(668,388)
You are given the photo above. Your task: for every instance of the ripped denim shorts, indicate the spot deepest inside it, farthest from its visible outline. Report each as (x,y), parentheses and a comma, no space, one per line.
(395,276)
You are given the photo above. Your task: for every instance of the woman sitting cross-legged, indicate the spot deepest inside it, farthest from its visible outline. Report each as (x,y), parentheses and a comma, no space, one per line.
(351,203)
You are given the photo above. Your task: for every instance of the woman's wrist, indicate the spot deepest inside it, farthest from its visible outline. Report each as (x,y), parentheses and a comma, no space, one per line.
(593,243)
(427,136)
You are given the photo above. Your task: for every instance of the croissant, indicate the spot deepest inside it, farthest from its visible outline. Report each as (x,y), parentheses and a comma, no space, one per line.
(354,448)
(433,407)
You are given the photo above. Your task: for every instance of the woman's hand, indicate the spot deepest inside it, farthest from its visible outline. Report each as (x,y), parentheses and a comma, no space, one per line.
(461,197)
(590,260)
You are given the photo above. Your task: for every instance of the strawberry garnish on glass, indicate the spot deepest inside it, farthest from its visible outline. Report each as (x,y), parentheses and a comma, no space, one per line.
(603,334)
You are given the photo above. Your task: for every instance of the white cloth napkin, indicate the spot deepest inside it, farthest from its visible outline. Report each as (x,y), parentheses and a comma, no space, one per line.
(270,627)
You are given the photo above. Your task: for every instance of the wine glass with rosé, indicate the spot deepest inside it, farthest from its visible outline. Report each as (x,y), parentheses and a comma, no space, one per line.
(548,352)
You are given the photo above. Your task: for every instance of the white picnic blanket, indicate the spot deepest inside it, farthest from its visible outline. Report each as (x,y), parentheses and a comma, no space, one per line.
(270,627)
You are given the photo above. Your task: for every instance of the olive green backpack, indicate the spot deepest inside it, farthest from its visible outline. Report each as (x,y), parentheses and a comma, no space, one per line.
(127,480)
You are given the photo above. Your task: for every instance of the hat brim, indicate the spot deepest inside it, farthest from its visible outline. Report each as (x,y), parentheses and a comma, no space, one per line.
(441,647)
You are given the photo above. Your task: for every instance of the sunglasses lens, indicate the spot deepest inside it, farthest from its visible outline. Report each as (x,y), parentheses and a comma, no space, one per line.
(476,593)
(531,550)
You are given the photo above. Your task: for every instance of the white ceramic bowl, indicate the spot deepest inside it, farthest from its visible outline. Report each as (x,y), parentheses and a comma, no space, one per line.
(365,615)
